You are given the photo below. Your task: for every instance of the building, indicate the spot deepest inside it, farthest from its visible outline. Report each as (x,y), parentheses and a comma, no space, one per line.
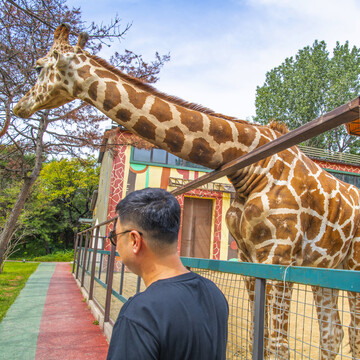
(129,163)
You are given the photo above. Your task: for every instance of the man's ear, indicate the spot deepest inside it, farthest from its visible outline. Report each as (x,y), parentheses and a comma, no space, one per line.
(136,241)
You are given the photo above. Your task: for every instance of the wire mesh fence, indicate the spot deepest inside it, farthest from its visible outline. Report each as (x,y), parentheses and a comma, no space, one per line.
(302,313)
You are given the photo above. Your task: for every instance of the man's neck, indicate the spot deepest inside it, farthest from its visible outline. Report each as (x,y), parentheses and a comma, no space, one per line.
(164,268)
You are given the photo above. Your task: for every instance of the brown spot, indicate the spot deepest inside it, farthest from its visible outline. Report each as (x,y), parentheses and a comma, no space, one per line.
(104,74)
(220,130)
(314,225)
(281,197)
(76,60)
(260,233)
(66,82)
(62,72)
(231,154)
(93,90)
(112,96)
(285,225)
(94,63)
(174,139)
(124,115)
(83,58)
(282,254)
(331,241)
(84,72)
(246,134)
(280,170)
(145,128)
(70,74)
(161,110)
(136,98)
(88,101)
(201,152)
(52,76)
(262,254)
(76,89)
(193,120)
(58,77)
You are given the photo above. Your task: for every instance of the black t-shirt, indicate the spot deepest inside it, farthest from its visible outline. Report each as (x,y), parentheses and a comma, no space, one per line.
(184,317)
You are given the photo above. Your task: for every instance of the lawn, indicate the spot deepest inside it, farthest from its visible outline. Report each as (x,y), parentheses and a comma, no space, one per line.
(12,280)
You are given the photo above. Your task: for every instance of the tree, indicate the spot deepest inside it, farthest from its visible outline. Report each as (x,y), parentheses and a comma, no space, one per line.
(27,28)
(309,85)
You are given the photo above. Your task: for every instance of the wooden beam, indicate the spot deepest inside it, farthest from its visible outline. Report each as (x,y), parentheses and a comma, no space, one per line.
(341,115)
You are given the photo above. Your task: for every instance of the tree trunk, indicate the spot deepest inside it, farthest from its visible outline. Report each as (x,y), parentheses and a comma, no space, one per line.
(29,181)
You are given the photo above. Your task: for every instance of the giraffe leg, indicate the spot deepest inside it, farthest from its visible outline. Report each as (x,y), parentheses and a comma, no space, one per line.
(354,327)
(280,297)
(331,333)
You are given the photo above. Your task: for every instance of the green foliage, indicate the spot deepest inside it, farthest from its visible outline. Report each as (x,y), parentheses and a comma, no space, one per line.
(310,85)
(12,280)
(61,196)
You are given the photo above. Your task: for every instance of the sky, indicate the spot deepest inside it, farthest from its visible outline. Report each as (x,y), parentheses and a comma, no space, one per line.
(221,50)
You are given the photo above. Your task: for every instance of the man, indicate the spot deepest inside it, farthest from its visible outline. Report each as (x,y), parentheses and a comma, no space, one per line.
(180,315)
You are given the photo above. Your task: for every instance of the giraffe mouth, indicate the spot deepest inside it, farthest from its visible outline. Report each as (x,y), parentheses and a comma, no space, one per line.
(22,112)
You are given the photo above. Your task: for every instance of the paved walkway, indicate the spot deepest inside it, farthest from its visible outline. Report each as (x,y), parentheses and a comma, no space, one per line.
(49,321)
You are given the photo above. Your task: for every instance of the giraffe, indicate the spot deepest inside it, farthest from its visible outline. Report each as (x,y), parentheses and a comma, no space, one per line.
(287,210)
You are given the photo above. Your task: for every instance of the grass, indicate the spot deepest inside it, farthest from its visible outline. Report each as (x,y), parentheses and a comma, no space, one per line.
(58,256)
(12,280)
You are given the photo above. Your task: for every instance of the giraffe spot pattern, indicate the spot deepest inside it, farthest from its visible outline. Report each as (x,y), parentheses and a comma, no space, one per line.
(93,88)
(201,152)
(137,98)
(104,74)
(191,119)
(123,115)
(220,130)
(84,72)
(145,128)
(174,139)
(112,96)
(161,110)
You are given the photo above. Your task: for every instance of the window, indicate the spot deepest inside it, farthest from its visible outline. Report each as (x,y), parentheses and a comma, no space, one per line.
(159,156)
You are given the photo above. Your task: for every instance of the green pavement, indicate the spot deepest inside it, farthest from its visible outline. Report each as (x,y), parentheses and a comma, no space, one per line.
(20,328)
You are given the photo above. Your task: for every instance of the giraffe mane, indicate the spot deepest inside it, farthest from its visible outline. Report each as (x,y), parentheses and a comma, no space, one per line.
(148,88)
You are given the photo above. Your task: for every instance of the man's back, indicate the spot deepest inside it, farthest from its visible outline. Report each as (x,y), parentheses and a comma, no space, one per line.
(183,317)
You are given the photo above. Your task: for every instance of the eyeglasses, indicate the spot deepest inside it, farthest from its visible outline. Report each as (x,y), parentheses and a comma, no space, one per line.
(113,234)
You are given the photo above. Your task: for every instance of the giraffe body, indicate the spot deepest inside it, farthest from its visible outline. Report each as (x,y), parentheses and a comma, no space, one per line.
(287,210)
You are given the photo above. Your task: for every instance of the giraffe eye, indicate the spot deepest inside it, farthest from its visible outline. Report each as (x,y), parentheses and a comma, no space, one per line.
(38,69)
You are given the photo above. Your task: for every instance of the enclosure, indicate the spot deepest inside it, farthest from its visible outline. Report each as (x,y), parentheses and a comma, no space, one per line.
(107,284)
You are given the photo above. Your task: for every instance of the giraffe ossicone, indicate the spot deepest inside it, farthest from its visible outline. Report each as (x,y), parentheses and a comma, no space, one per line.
(287,210)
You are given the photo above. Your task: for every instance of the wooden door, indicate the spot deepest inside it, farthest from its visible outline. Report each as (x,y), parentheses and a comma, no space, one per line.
(196,228)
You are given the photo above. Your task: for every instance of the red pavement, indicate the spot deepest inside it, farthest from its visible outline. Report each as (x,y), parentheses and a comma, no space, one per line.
(66,329)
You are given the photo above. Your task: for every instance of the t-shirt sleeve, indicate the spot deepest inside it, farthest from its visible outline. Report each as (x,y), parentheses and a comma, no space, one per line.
(130,341)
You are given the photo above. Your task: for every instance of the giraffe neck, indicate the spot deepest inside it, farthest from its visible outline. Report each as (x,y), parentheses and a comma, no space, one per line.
(190,134)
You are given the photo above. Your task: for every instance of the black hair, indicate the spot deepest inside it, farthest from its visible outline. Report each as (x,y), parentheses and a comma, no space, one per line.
(155,210)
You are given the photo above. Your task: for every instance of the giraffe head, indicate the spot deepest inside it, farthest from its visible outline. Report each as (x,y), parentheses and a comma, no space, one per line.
(52,86)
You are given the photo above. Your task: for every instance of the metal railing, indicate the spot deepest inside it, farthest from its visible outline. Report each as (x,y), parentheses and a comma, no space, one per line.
(107,284)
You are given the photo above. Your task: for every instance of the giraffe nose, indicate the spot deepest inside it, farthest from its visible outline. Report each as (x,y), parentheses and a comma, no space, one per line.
(21,111)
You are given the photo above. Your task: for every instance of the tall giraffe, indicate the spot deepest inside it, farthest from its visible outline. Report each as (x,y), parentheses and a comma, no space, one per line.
(287,210)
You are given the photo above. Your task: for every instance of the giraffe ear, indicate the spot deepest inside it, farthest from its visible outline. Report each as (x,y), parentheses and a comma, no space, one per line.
(60,59)
(82,40)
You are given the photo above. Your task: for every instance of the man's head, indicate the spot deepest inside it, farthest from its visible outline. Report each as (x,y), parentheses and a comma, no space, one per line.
(153,212)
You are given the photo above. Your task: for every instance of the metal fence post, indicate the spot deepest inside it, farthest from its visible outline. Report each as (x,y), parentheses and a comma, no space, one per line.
(93,265)
(75,251)
(84,261)
(259,321)
(110,272)
(79,256)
